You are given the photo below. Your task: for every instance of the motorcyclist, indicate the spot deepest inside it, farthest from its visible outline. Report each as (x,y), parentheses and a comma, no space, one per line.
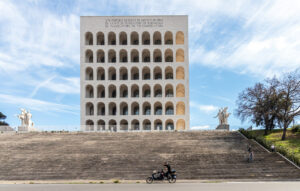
(168,167)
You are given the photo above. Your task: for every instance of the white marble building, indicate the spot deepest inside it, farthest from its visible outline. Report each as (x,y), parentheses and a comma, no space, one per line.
(134,73)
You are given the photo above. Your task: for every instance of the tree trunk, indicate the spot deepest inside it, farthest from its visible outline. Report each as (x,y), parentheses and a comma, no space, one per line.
(266,130)
(285,126)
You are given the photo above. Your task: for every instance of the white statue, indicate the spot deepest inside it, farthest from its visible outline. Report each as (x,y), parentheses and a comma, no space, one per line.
(22,117)
(26,122)
(219,115)
(223,116)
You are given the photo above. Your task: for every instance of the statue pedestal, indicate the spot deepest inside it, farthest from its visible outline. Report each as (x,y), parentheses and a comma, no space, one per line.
(223,127)
(22,128)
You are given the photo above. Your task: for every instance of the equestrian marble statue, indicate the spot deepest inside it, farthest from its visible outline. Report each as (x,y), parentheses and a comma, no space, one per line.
(223,119)
(26,122)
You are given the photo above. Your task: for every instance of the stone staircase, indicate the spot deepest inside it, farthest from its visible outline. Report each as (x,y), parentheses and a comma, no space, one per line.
(195,155)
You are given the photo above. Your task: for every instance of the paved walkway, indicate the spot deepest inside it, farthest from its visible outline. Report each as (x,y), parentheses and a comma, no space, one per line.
(232,186)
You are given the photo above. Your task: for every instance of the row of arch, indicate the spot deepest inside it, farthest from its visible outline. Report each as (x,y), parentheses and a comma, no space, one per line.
(134,126)
(157,73)
(135,91)
(146,108)
(134,56)
(134,38)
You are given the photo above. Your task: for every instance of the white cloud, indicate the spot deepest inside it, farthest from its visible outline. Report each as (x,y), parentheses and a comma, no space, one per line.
(267,44)
(200,127)
(38,43)
(203,108)
(38,105)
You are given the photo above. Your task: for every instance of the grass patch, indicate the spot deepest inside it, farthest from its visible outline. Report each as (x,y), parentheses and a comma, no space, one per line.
(31,182)
(116,181)
(101,182)
(289,147)
(137,182)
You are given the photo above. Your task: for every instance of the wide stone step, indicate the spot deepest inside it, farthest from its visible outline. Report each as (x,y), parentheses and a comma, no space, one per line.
(195,155)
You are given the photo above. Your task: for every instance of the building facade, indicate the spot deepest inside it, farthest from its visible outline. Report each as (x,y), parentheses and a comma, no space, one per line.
(134,73)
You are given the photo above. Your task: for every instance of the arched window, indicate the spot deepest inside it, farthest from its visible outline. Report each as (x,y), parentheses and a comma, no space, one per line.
(135,125)
(134,38)
(134,56)
(112,73)
(135,109)
(157,55)
(123,125)
(111,38)
(157,73)
(100,91)
(180,125)
(100,56)
(179,55)
(168,37)
(89,74)
(101,125)
(169,125)
(146,91)
(169,73)
(123,56)
(146,55)
(169,90)
(180,73)
(100,38)
(169,108)
(89,125)
(180,92)
(179,37)
(89,108)
(100,108)
(123,38)
(112,125)
(88,56)
(134,73)
(158,125)
(157,38)
(123,108)
(168,55)
(112,91)
(146,38)
(146,73)
(146,125)
(157,90)
(123,73)
(123,91)
(112,56)
(100,74)
(88,38)
(135,91)
(180,108)
(112,108)
(146,108)
(157,108)
(89,91)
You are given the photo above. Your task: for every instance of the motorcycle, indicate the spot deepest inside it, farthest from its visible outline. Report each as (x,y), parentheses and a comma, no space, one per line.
(161,176)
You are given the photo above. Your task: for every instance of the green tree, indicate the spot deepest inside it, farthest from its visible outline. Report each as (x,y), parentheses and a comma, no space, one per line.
(289,100)
(258,104)
(2,118)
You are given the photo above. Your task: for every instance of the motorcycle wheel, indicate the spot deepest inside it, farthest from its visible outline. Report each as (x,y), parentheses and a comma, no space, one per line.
(172,180)
(149,180)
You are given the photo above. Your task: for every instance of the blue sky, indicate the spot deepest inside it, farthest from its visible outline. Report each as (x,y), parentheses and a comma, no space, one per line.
(232,45)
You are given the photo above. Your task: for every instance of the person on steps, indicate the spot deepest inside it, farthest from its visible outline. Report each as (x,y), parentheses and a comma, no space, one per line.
(250,151)
(273,148)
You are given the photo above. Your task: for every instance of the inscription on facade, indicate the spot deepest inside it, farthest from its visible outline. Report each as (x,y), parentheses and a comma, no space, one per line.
(134,22)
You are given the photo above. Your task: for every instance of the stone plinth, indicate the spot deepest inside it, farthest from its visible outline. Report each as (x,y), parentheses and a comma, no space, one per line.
(223,127)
